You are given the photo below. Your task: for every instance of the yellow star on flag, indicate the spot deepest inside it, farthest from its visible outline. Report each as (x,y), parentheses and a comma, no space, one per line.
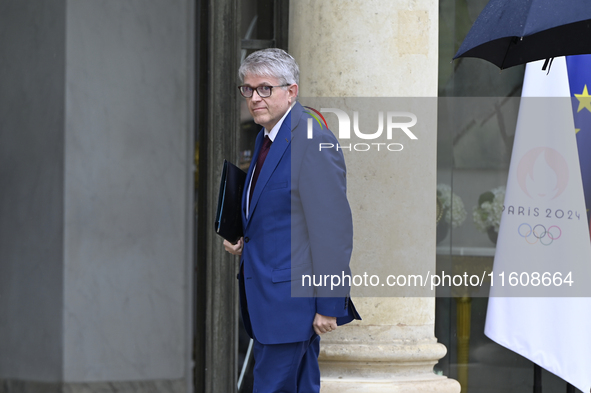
(584,100)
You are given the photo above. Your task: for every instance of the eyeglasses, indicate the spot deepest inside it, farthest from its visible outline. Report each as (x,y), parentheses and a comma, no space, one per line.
(263,91)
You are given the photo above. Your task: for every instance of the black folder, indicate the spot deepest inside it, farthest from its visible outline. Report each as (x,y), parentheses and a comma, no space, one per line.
(228,220)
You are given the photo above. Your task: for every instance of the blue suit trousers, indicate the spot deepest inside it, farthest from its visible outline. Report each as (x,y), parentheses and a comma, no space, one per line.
(294,367)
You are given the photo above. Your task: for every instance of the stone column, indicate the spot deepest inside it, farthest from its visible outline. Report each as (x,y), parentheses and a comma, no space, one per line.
(380,49)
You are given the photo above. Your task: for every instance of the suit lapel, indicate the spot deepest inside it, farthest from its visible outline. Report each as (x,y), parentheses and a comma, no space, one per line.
(257,149)
(277,150)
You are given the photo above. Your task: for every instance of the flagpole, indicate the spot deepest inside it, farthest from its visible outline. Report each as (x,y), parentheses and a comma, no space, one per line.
(537,379)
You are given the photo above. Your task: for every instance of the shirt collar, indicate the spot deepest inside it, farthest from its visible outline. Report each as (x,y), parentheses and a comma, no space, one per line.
(273,133)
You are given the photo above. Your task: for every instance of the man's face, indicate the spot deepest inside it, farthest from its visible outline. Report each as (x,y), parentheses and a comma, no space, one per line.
(268,111)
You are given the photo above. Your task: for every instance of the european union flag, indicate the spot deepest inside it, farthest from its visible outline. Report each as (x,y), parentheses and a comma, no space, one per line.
(579,77)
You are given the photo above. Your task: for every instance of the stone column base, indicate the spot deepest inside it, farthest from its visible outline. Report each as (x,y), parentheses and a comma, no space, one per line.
(394,366)
(433,383)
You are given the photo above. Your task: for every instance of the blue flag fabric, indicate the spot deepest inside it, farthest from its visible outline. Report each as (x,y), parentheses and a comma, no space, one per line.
(579,77)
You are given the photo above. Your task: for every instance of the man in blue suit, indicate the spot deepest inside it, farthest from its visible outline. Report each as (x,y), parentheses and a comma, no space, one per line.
(297,222)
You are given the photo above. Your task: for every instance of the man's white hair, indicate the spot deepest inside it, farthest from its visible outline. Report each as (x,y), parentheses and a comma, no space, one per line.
(272,62)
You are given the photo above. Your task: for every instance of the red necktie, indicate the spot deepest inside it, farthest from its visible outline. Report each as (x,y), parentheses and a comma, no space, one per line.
(260,161)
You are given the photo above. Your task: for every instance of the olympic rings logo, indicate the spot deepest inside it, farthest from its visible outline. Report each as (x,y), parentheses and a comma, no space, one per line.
(539,233)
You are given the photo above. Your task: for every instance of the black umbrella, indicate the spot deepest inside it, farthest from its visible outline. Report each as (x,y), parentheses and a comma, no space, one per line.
(512,32)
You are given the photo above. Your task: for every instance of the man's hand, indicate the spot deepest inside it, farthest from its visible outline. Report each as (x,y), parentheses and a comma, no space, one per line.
(323,324)
(234,249)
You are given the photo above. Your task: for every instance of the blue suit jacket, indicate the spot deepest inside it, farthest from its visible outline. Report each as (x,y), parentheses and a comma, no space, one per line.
(299,223)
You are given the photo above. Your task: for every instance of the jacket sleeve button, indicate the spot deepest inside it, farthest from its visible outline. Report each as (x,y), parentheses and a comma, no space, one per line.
(246,240)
